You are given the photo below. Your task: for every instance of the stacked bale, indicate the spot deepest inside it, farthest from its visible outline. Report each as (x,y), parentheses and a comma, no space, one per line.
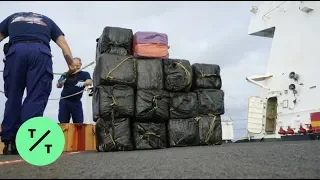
(152,101)
(183,128)
(114,80)
(207,84)
(115,40)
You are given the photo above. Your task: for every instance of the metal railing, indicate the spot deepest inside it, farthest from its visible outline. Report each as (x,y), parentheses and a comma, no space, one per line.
(274,8)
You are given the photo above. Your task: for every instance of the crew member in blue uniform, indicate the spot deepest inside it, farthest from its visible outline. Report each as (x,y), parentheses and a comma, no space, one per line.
(28,64)
(72,84)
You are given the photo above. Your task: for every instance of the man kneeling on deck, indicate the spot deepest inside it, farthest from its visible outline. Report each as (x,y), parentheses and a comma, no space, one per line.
(72,84)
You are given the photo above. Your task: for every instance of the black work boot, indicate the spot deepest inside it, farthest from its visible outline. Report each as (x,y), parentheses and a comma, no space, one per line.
(10,148)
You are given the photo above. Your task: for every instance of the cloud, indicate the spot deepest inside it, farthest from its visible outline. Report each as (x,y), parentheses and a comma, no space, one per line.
(201,32)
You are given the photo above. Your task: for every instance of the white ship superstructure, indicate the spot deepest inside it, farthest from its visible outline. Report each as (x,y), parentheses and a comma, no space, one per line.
(290,87)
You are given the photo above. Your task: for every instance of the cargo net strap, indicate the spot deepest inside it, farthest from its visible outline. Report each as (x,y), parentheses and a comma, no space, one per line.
(151,106)
(155,102)
(114,102)
(207,138)
(148,134)
(203,75)
(118,65)
(112,134)
(188,74)
(114,145)
(154,106)
(209,98)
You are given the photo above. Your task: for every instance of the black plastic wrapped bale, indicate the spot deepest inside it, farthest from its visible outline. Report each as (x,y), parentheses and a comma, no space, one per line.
(116,101)
(211,101)
(97,50)
(95,77)
(113,136)
(183,105)
(150,74)
(115,40)
(206,76)
(210,130)
(150,135)
(177,75)
(183,132)
(113,69)
(152,105)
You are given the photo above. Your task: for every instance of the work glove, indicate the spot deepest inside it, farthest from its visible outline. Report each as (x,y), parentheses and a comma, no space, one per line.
(63,78)
(80,84)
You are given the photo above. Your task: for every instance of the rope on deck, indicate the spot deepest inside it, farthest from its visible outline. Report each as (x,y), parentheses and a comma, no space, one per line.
(86,89)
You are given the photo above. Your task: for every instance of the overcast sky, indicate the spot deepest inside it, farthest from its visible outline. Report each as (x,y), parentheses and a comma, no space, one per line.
(201,32)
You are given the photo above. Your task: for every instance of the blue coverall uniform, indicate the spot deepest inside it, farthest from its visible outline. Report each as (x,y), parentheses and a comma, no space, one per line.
(28,65)
(72,106)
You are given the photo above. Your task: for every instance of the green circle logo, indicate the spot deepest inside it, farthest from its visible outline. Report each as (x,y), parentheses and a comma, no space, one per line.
(40,141)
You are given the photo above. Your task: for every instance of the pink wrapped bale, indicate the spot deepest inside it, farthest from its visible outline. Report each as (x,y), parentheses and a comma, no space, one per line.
(150,45)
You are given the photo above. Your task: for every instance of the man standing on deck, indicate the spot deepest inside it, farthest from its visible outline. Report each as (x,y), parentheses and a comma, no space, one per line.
(72,86)
(28,65)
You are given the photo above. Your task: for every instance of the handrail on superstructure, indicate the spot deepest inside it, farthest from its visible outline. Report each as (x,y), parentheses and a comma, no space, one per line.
(265,15)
